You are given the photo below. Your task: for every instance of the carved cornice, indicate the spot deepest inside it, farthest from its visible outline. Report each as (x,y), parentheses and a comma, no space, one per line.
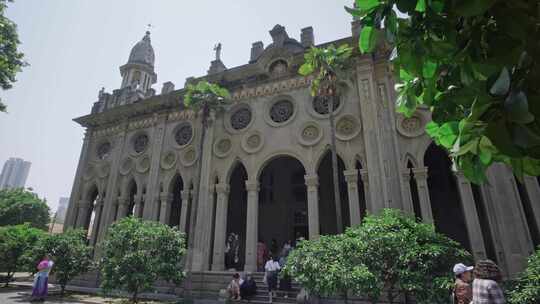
(272,88)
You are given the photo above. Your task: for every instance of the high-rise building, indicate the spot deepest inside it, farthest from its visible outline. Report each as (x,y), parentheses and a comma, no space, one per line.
(14,173)
(61,211)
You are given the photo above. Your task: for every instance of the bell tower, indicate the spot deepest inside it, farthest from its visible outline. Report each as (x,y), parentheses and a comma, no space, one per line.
(138,73)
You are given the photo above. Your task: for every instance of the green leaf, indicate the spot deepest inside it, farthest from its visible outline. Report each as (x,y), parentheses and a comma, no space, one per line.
(448,134)
(429,69)
(486,150)
(502,84)
(517,108)
(421,6)
(432,129)
(367,5)
(437,6)
(468,8)
(368,39)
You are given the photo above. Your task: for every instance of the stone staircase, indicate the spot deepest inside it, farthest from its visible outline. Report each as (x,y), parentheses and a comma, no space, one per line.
(282,297)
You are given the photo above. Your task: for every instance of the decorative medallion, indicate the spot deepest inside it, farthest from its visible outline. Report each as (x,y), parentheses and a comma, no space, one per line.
(140,143)
(168,160)
(126,166)
(103,150)
(103,170)
(310,134)
(143,165)
(320,105)
(222,147)
(241,118)
(252,142)
(89,172)
(410,126)
(189,157)
(183,134)
(278,68)
(347,127)
(281,111)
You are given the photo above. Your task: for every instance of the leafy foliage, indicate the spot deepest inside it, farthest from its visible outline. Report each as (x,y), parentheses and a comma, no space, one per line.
(11,59)
(328,65)
(475,65)
(527,290)
(15,242)
(18,206)
(389,253)
(137,253)
(69,252)
(205,93)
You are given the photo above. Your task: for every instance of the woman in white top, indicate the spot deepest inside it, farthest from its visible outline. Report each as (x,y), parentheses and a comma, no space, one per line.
(271,272)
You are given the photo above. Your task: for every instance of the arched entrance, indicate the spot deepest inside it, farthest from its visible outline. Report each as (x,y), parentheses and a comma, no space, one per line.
(236,219)
(90,213)
(444,196)
(176,203)
(282,202)
(327,207)
(132,192)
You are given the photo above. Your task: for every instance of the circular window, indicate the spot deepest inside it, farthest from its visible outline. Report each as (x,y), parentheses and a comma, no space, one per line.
(183,135)
(320,105)
(281,111)
(140,143)
(103,150)
(241,119)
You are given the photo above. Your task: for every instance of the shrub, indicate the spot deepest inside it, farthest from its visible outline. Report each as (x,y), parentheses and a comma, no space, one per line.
(136,253)
(19,206)
(15,242)
(527,288)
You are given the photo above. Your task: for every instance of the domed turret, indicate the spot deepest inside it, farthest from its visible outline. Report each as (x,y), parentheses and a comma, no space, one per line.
(138,73)
(142,52)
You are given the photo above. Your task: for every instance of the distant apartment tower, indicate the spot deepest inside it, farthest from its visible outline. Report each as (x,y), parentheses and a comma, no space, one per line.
(14,173)
(61,211)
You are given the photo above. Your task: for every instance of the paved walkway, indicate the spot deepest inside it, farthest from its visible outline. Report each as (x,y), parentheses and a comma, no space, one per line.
(12,295)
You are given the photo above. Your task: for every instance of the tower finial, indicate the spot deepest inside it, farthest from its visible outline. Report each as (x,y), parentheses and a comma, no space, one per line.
(217,48)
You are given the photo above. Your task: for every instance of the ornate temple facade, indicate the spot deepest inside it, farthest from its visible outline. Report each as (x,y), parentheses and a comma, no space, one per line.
(266,170)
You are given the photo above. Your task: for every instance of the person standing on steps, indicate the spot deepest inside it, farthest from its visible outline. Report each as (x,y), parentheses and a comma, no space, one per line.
(462,286)
(486,288)
(262,252)
(285,280)
(248,289)
(271,274)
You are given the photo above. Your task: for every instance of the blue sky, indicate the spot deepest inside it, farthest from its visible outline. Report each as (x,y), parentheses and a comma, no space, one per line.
(75,47)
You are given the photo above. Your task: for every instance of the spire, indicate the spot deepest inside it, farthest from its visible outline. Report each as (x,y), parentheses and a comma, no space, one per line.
(138,73)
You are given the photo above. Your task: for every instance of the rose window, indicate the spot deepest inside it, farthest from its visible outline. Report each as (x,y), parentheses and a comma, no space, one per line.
(281,111)
(140,143)
(241,119)
(320,105)
(183,135)
(103,150)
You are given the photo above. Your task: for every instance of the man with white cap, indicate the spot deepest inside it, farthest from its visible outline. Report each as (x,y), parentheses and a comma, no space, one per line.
(462,286)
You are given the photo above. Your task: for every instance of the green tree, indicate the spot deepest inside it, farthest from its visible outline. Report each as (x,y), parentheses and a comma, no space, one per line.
(203,98)
(69,252)
(389,254)
(18,206)
(11,59)
(136,253)
(328,67)
(475,65)
(527,289)
(15,242)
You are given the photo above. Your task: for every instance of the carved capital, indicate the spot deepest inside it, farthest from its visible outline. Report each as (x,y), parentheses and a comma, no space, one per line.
(222,188)
(252,186)
(406,176)
(166,197)
(364,175)
(186,194)
(351,176)
(420,173)
(312,180)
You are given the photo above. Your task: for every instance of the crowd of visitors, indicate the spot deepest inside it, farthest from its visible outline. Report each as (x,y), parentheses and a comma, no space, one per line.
(479,284)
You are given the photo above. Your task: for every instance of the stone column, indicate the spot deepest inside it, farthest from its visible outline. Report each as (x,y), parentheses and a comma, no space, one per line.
(252,224)
(151,205)
(533,191)
(420,175)
(73,207)
(98,212)
(138,205)
(365,180)
(312,186)
(471,217)
(407,193)
(218,260)
(351,177)
(184,210)
(123,205)
(166,205)
(82,214)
